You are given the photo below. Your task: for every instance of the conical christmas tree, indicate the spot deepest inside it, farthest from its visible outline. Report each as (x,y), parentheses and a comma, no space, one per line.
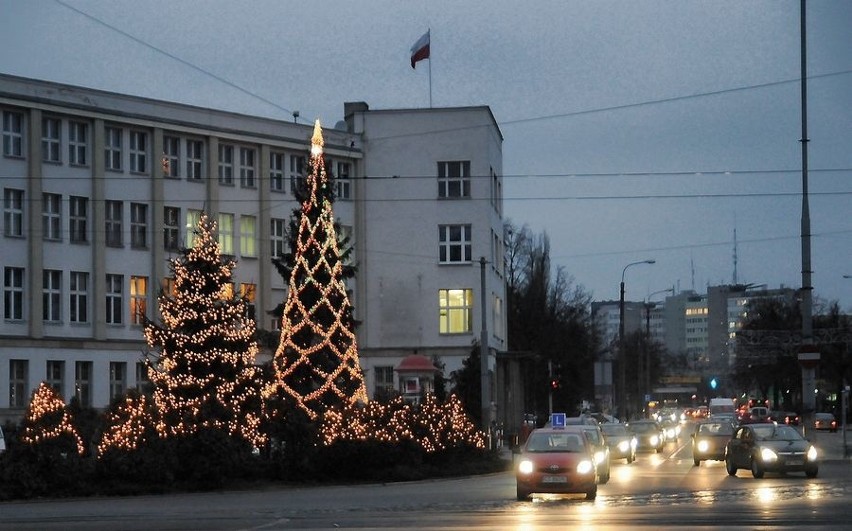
(48,425)
(204,376)
(316,363)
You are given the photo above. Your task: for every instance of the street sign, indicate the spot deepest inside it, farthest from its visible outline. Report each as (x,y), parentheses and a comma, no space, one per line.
(557,420)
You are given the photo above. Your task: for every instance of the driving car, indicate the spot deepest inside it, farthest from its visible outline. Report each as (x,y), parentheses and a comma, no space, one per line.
(556,461)
(601,450)
(672,429)
(621,441)
(825,421)
(770,447)
(649,434)
(709,441)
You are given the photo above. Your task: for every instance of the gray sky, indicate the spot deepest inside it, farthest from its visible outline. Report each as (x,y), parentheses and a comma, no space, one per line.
(634,129)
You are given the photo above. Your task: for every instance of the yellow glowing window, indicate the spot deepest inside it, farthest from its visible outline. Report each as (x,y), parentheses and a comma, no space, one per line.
(138,299)
(455,308)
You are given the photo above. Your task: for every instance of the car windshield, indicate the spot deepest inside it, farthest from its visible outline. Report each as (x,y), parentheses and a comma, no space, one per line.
(824,416)
(594,436)
(770,432)
(614,429)
(715,428)
(644,427)
(555,442)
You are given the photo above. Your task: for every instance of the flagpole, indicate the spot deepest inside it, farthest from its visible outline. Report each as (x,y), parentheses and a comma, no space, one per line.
(429,32)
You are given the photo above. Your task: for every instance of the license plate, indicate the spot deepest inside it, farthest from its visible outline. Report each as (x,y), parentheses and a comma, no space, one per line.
(795,462)
(554,479)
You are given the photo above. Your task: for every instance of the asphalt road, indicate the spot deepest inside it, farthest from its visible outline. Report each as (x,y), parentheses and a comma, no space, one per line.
(657,491)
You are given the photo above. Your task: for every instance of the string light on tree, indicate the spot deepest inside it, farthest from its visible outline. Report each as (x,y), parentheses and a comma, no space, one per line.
(47,420)
(316,363)
(128,425)
(204,375)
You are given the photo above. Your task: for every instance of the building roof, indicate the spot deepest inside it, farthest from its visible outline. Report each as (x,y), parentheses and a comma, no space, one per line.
(416,363)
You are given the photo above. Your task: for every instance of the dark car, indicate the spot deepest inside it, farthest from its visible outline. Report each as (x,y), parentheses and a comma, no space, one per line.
(709,441)
(825,421)
(649,434)
(556,461)
(770,448)
(621,441)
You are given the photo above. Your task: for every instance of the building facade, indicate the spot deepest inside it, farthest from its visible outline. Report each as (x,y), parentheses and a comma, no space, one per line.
(101,189)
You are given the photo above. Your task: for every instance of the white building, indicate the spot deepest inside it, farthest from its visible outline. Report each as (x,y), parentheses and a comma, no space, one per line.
(100,189)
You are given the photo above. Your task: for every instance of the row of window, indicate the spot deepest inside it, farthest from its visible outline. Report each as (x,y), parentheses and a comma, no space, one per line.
(182,157)
(76,294)
(19,392)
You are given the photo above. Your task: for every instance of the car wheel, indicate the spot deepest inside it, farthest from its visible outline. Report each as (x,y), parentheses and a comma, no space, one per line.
(729,466)
(756,468)
(696,462)
(812,472)
(592,494)
(523,495)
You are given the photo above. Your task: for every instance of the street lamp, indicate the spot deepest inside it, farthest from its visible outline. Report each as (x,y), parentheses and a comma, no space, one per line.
(647,371)
(622,359)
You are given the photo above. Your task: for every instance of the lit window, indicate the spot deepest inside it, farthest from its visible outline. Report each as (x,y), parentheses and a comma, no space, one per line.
(193,217)
(226,233)
(138,299)
(455,311)
(248,236)
(248,292)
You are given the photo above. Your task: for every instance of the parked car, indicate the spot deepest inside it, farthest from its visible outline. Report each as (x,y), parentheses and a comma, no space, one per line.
(621,441)
(557,461)
(770,447)
(825,421)
(649,434)
(709,441)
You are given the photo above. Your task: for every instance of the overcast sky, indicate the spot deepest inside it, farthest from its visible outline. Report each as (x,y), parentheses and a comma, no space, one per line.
(633,129)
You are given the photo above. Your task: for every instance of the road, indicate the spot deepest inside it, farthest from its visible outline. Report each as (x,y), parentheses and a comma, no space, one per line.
(657,491)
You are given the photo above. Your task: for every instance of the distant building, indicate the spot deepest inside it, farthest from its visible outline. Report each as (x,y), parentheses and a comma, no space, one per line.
(100,189)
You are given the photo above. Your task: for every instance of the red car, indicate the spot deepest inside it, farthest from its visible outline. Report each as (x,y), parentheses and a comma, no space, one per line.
(556,461)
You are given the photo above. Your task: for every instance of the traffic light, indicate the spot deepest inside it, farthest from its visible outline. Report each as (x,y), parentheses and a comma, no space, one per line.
(713,383)
(554,384)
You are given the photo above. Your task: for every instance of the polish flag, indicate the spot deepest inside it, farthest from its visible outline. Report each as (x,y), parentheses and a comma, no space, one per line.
(420,50)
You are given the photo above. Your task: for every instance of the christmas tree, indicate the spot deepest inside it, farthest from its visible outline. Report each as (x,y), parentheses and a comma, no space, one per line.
(204,376)
(48,425)
(316,364)
(129,425)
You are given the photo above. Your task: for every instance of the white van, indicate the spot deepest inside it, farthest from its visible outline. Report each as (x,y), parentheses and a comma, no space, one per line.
(722,405)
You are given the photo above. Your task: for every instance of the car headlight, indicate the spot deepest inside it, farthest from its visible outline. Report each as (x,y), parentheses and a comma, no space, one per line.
(703,446)
(812,453)
(585,467)
(671,433)
(600,457)
(623,446)
(768,455)
(526,466)
(655,440)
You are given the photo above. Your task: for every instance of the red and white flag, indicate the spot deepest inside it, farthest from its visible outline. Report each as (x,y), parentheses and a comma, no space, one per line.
(420,50)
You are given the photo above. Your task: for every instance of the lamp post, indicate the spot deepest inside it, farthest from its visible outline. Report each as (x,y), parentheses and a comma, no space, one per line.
(622,358)
(647,370)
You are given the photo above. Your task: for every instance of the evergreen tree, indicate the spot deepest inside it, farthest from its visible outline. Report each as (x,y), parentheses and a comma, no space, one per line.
(204,377)
(48,425)
(316,364)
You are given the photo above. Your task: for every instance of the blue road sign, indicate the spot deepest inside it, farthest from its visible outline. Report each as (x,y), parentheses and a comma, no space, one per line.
(557,420)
